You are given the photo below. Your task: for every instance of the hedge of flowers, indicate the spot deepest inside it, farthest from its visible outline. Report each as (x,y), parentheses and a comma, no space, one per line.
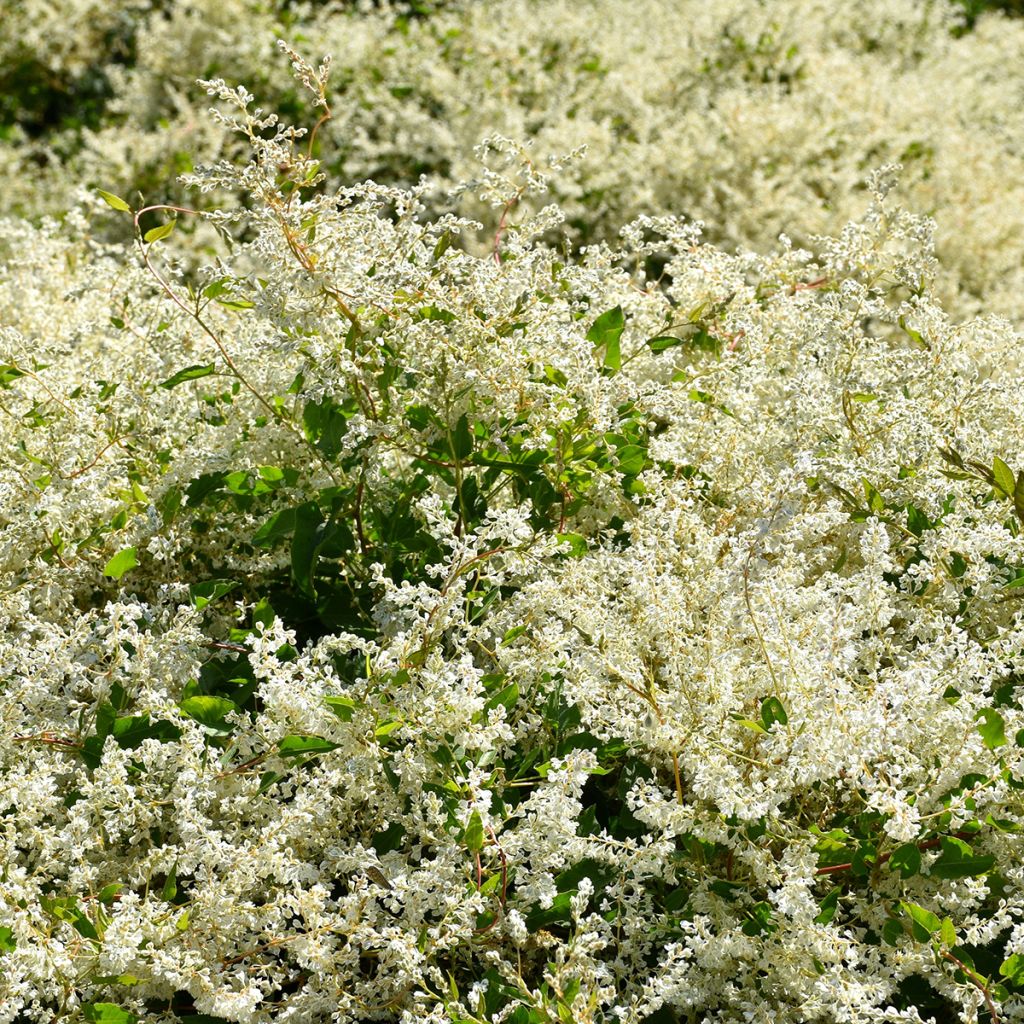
(478,598)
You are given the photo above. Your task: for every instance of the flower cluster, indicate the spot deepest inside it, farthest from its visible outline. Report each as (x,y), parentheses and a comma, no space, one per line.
(756,118)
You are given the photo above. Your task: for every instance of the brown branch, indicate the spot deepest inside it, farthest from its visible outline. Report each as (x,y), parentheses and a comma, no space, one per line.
(977,981)
(929,844)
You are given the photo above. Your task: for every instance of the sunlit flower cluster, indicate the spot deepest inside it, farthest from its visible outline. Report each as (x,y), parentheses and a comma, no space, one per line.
(407,621)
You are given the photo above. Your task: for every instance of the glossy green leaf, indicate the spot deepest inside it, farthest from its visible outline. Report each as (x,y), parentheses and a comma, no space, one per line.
(280,524)
(107,1013)
(906,859)
(992,728)
(114,201)
(505,698)
(957,860)
(1003,476)
(772,711)
(474,834)
(343,707)
(1013,969)
(201,594)
(170,886)
(189,373)
(828,907)
(8,373)
(462,439)
(124,560)
(108,893)
(917,521)
(155,234)
(442,244)
(605,332)
(305,545)
(663,342)
(304,746)
(924,924)
(631,459)
(749,723)
(577,543)
(208,711)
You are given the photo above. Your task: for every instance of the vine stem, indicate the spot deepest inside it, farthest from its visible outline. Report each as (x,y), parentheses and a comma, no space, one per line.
(193,313)
(929,844)
(275,414)
(977,981)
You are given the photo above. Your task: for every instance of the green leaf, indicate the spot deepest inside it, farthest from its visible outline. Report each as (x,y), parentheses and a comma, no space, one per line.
(892,931)
(1003,476)
(914,336)
(215,288)
(130,731)
(234,303)
(556,376)
(512,635)
(108,892)
(577,545)
(155,234)
(605,333)
(992,729)
(917,521)
(828,907)
(279,525)
(201,594)
(325,424)
(170,887)
(343,707)
(663,342)
(304,746)
(875,500)
(124,560)
(442,244)
(749,723)
(209,711)
(306,542)
(1013,969)
(189,373)
(462,439)
(107,1013)
(7,942)
(906,859)
(505,698)
(1018,496)
(434,313)
(8,373)
(474,834)
(947,933)
(631,458)
(115,201)
(924,924)
(772,711)
(958,861)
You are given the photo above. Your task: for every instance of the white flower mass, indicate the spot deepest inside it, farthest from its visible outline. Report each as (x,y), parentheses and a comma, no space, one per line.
(520,523)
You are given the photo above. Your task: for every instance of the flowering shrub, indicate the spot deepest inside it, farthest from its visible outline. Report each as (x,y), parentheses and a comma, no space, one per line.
(755,118)
(399,630)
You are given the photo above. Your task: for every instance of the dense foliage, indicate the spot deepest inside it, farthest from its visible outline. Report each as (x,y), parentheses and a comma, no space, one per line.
(482,599)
